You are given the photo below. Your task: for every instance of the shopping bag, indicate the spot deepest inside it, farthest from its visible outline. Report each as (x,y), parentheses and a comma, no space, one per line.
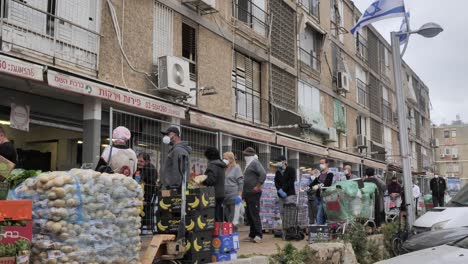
(447,198)
(239,212)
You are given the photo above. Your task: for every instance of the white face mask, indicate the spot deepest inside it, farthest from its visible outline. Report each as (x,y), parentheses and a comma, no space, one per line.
(437,176)
(166,140)
(226,161)
(323,166)
(248,159)
(346,172)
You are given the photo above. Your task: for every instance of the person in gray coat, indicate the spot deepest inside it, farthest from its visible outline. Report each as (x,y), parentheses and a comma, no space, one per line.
(233,186)
(254,177)
(177,162)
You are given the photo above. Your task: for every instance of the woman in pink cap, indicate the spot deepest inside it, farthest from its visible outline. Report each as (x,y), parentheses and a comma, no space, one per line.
(118,158)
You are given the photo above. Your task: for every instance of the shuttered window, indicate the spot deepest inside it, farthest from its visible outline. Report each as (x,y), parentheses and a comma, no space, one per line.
(246,85)
(189,48)
(283,88)
(376,131)
(162,32)
(283,35)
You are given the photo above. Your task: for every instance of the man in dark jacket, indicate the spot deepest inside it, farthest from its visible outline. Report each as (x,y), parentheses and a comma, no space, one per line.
(379,209)
(325,179)
(254,177)
(438,187)
(177,162)
(284,182)
(394,188)
(215,177)
(7,150)
(148,175)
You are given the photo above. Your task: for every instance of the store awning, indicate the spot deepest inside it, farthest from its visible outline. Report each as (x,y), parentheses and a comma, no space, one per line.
(81,86)
(375,164)
(301,146)
(346,157)
(220,124)
(20,68)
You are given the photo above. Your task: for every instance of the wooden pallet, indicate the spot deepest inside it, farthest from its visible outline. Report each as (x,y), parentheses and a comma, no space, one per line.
(164,247)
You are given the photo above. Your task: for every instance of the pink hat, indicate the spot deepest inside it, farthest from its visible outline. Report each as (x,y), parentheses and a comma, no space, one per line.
(121,134)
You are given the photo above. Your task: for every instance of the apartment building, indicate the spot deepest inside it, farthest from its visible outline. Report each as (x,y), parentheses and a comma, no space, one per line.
(451,144)
(282,76)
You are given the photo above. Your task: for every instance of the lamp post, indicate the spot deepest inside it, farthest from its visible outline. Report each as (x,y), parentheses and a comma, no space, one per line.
(428,30)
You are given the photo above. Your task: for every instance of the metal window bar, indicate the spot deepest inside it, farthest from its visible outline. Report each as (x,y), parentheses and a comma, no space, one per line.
(147,138)
(30,29)
(386,110)
(361,47)
(310,58)
(251,14)
(313,7)
(363,93)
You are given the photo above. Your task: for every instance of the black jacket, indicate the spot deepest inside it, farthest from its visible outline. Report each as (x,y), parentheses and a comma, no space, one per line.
(286,180)
(438,186)
(7,150)
(327,183)
(149,176)
(394,187)
(215,176)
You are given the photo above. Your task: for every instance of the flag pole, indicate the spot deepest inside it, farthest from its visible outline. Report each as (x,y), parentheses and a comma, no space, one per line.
(403,127)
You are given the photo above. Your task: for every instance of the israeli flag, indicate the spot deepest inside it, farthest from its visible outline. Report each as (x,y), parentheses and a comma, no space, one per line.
(405,28)
(380,10)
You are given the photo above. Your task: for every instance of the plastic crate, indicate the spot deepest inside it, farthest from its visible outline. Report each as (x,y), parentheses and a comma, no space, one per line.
(4,187)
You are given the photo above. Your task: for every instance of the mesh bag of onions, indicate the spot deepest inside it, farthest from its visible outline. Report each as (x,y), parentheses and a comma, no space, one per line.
(83,216)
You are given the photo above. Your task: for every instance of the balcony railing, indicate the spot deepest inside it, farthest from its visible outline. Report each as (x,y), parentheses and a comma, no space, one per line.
(386,111)
(363,95)
(251,14)
(311,59)
(361,47)
(312,7)
(36,32)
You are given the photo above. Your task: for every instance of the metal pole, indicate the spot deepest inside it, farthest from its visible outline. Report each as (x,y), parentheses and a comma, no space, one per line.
(404,143)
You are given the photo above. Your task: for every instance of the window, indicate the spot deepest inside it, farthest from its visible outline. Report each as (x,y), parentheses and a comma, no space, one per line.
(451,151)
(162,32)
(283,89)
(361,46)
(361,87)
(337,19)
(3,9)
(384,60)
(339,114)
(308,98)
(246,85)
(386,106)
(50,17)
(312,6)
(388,140)
(446,134)
(361,125)
(252,12)
(310,46)
(189,49)
(453,134)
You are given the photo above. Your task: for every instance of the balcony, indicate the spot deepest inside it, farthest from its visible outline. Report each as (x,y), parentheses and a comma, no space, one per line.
(387,113)
(311,59)
(361,47)
(37,33)
(363,94)
(251,14)
(312,7)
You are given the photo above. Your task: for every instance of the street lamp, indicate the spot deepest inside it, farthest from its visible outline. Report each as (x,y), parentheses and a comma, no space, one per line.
(428,30)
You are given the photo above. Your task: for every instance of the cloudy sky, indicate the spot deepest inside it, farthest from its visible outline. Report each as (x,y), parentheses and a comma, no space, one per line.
(441,62)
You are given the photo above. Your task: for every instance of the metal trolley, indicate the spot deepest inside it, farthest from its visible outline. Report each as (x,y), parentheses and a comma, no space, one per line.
(392,208)
(292,228)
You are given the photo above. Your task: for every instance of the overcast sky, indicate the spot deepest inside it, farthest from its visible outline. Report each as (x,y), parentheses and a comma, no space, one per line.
(441,62)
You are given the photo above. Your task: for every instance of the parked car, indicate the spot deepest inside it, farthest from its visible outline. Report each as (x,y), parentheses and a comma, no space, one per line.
(434,238)
(455,253)
(450,216)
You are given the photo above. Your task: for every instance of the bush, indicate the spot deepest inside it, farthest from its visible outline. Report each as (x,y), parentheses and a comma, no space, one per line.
(291,255)
(367,251)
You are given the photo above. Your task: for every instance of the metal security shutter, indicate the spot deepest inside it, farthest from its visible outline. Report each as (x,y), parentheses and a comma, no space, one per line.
(376,131)
(373,52)
(162,31)
(284,89)
(283,35)
(375,96)
(26,17)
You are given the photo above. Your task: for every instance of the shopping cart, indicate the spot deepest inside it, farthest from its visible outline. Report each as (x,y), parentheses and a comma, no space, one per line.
(292,230)
(392,208)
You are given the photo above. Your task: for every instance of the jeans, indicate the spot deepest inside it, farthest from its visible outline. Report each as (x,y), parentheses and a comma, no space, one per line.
(219,210)
(253,214)
(320,211)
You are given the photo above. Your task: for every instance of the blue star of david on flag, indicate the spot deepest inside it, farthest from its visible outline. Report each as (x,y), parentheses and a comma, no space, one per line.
(380,10)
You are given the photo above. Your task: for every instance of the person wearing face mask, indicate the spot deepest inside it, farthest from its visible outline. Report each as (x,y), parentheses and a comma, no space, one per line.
(348,172)
(177,161)
(379,209)
(215,177)
(284,182)
(233,185)
(325,179)
(394,188)
(438,187)
(254,177)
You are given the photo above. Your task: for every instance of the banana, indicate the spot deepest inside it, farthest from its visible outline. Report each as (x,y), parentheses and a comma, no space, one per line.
(204,201)
(191,226)
(187,247)
(196,246)
(161,227)
(163,205)
(201,225)
(195,203)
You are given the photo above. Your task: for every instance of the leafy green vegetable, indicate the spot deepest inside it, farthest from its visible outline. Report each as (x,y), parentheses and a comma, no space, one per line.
(22,244)
(8,250)
(18,176)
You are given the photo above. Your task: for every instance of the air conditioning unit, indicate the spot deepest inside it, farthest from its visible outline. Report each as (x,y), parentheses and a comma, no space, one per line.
(173,76)
(333,135)
(361,141)
(203,6)
(442,155)
(343,82)
(454,156)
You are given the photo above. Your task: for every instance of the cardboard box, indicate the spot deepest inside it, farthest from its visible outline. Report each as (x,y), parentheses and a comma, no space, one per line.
(16,210)
(319,233)
(19,215)
(219,257)
(8,260)
(225,243)
(171,201)
(198,242)
(6,167)
(199,258)
(206,196)
(223,228)
(204,220)
(10,234)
